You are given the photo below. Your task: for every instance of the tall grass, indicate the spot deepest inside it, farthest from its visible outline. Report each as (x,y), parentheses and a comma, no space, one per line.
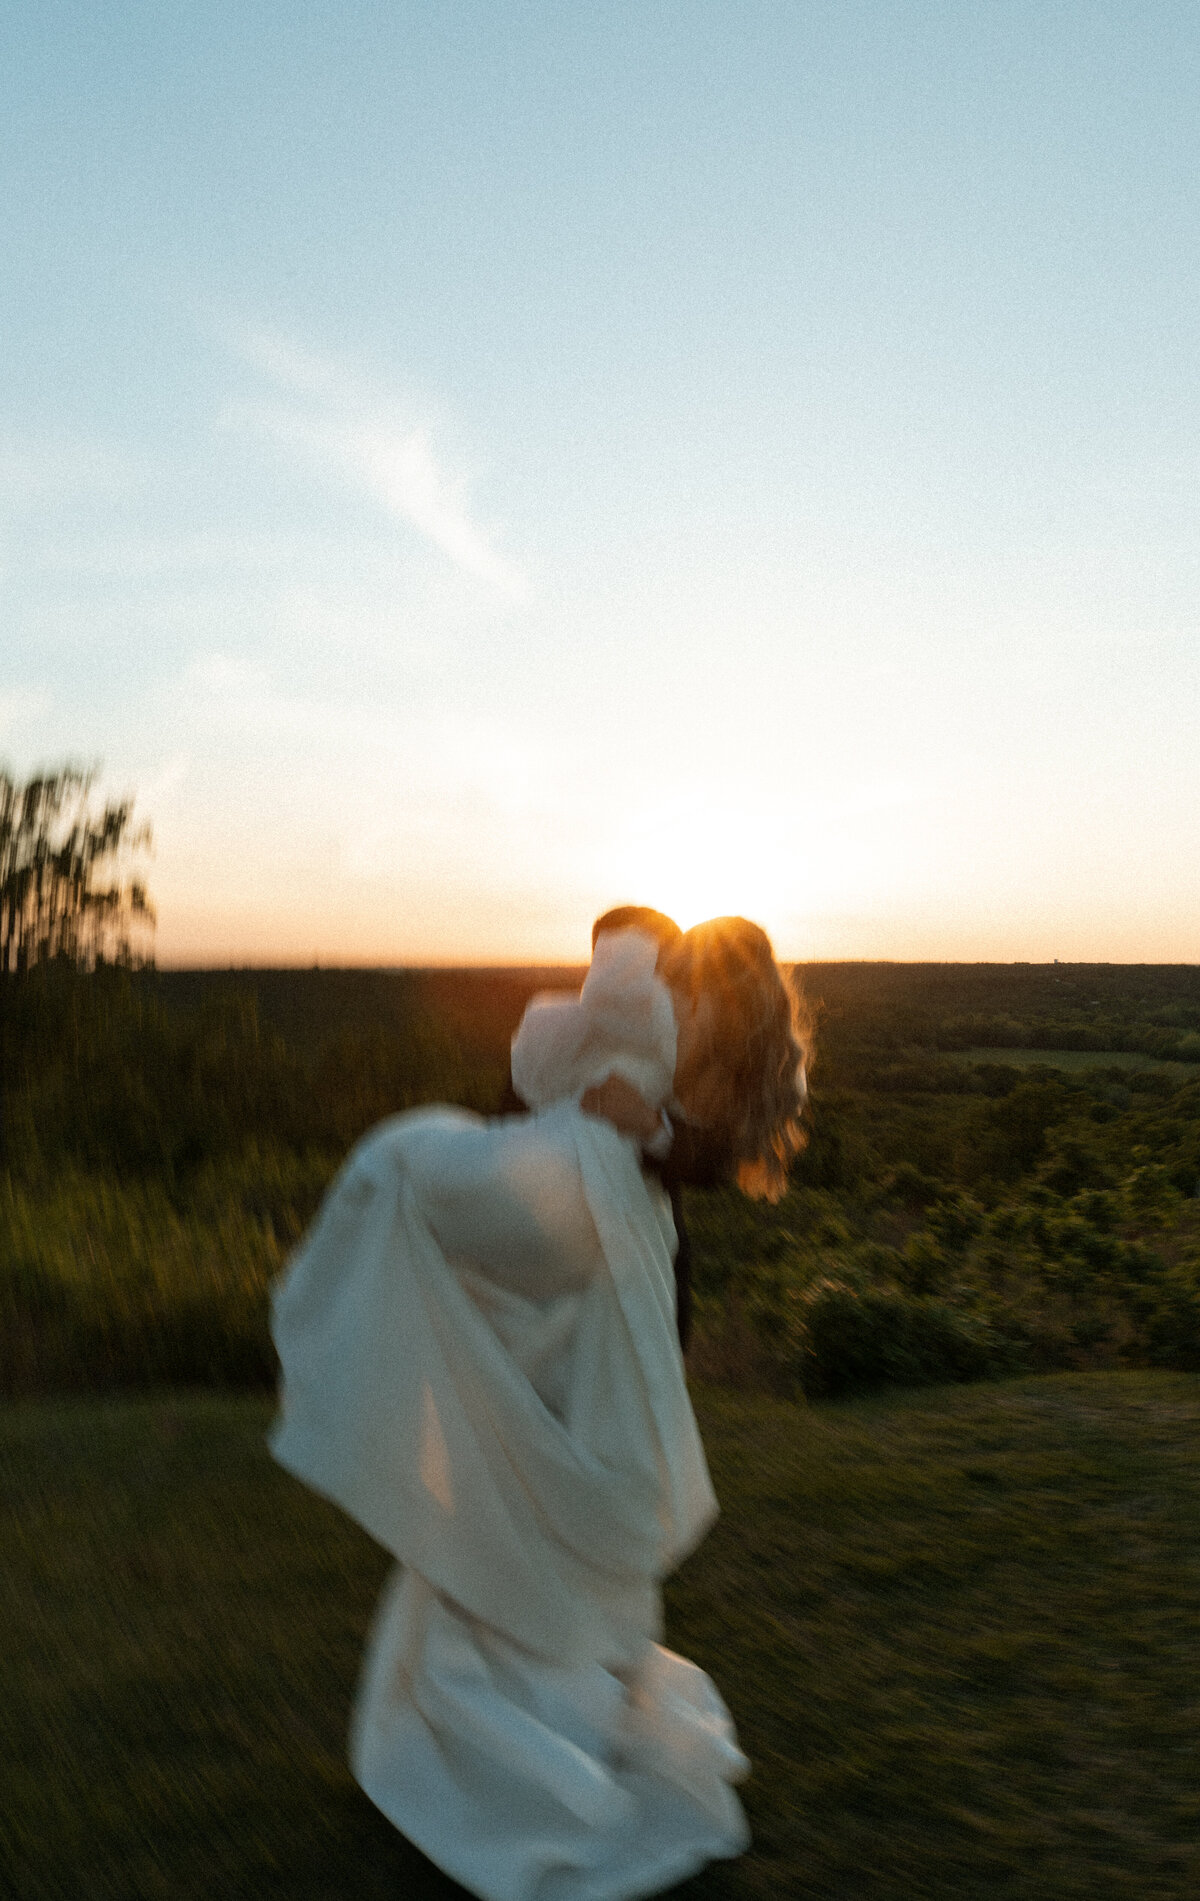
(110,1283)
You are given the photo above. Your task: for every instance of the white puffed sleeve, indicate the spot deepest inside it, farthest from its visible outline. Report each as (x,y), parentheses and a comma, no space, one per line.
(621,1023)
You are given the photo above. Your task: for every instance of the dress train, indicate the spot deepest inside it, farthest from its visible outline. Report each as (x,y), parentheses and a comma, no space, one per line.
(527,1782)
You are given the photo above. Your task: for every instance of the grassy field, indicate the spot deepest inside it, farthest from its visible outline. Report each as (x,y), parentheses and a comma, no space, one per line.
(959,1630)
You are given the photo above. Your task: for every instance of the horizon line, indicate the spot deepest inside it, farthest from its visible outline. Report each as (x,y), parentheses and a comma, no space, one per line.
(936,963)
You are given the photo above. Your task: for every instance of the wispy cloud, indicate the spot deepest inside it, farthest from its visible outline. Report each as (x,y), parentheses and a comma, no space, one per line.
(404,474)
(337,427)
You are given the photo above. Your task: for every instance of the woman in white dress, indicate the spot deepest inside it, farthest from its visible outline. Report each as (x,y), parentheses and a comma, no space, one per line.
(480,1364)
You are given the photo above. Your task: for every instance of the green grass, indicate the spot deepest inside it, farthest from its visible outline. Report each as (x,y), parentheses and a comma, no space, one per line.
(1072,1060)
(959,1631)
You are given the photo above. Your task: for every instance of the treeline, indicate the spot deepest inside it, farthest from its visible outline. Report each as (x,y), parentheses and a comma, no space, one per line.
(141,1073)
(1141,1009)
(168,1135)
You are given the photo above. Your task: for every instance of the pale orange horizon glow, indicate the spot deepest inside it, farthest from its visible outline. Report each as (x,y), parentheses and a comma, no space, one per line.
(550,936)
(885,879)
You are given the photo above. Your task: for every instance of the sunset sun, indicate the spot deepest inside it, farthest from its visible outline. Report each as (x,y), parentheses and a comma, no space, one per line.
(698,861)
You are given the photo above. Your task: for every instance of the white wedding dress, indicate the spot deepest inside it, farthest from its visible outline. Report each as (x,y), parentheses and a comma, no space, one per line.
(480,1364)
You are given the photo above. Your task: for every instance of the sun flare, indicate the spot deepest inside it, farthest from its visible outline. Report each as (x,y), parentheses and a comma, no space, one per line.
(699,862)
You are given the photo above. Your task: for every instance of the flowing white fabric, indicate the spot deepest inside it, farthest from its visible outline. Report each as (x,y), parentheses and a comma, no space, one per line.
(480,1365)
(622,1021)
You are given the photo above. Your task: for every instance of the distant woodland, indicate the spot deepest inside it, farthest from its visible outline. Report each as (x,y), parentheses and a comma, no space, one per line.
(1002,1170)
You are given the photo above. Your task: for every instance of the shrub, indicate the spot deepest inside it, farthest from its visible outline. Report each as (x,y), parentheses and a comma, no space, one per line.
(912,1188)
(1072,1165)
(926,1265)
(1099,1207)
(1150,1194)
(855,1338)
(955,1222)
(996,1079)
(1173,1326)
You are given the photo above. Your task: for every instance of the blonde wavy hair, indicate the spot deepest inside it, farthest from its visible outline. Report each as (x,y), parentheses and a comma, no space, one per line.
(752,1047)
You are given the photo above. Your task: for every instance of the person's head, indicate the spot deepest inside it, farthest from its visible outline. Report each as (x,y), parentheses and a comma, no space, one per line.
(742,1047)
(639,917)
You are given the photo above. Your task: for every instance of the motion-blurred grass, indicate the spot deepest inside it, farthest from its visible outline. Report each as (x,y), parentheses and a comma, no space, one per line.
(107,1283)
(959,1630)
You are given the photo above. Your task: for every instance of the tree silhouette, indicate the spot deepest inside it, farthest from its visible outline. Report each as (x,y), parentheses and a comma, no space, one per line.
(66,892)
(65,888)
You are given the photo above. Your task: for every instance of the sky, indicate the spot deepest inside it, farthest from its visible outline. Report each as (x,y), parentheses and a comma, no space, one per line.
(465,465)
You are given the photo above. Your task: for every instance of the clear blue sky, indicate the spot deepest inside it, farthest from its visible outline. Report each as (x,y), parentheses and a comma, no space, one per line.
(464,465)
